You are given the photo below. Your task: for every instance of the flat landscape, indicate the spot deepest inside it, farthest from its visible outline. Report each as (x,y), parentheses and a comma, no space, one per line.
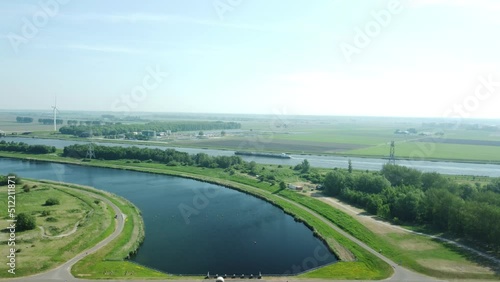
(418,139)
(301,141)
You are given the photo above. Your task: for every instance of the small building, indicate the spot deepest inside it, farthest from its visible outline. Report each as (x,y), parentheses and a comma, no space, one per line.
(295,187)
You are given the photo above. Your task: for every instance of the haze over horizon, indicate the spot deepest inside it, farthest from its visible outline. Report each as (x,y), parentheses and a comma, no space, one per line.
(418,58)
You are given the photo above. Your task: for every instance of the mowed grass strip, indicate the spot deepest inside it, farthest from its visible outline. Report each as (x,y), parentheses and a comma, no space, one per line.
(38,253)
(422,254)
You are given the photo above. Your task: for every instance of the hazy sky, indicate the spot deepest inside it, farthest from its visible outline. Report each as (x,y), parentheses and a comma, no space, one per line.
(326,57)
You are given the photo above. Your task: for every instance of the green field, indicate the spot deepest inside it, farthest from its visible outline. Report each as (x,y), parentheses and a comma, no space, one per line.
(433,151)
(346,136)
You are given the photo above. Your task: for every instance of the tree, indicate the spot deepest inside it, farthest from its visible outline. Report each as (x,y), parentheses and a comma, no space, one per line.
(305,166)
(223,133)
(252,167)
(369,183)
(349,166)
(433,180)
(282,185)
(334,182)
(494,185)
(25,222)
(401,175)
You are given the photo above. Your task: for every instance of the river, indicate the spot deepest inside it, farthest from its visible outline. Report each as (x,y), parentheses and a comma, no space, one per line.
(372,164)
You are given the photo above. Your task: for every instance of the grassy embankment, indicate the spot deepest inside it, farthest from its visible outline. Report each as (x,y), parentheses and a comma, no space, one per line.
(37,252)
(109,261)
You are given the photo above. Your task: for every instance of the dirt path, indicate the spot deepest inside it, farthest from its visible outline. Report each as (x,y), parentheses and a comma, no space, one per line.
(60,235)
(383,227)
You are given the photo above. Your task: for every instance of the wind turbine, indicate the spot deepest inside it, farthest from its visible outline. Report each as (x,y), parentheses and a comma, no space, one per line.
(55,113)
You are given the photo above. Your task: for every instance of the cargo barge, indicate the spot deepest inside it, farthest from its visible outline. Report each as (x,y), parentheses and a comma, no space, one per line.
(267,155)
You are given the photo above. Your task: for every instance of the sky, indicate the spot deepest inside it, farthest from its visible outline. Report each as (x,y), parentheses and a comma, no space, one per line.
(415,58)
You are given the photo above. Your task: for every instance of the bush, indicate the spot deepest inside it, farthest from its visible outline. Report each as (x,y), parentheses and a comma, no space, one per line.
(172,163)
(45,213)
(25,222)
(51,219)
(26,188)
(52,202)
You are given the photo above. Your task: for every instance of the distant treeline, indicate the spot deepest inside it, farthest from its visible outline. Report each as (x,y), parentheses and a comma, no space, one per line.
(24,119)
(114,129)
(25,148)
(403,194)
(47,121)
(168,156)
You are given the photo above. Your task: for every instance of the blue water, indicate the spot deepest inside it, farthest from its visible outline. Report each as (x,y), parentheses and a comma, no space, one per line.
(194,227)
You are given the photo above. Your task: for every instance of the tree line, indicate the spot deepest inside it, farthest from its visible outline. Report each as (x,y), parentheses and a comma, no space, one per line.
(115,129)
(47,121)
(24,119)
(25,148)
(400,193)
(169,157)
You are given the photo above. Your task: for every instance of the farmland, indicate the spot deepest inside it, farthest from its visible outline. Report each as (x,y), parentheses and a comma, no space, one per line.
(422,139)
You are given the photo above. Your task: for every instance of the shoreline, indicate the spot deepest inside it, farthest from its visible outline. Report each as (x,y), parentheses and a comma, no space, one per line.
(258,193)
(188,146)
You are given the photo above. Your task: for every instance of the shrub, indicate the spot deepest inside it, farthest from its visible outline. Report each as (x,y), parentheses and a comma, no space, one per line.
(52,201)
(45,213)
(26,188)
(25,222)
(51,219)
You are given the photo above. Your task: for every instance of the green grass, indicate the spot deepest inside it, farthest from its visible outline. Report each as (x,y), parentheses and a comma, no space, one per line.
(392,243)
(423,150)
(37,253)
